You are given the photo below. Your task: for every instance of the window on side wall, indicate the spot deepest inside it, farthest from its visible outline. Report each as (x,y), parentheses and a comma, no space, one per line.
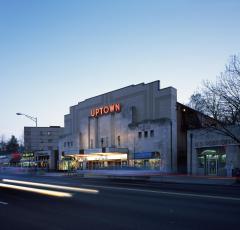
(119,140)
(152,133)
(145,134)
(139,134)
(91,143)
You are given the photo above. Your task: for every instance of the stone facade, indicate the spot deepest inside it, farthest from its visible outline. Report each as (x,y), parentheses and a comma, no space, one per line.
(147,121)
(145,109)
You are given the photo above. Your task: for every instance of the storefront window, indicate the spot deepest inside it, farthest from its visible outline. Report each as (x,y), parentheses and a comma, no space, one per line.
(148,160)
(147,163)
(69,164)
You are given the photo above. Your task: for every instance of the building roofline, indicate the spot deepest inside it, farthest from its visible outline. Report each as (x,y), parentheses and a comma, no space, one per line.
(125,87)
(46,127)
(196,111)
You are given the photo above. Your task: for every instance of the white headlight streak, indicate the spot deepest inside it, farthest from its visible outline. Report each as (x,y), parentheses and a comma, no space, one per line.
(36,190)
(74,189)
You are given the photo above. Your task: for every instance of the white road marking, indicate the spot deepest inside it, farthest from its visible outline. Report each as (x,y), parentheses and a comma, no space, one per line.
(166,193)
(75,189)
(4,203)
(37,190)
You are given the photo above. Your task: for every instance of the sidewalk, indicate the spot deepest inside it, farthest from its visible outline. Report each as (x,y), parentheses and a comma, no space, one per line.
(189,179)
(152,176)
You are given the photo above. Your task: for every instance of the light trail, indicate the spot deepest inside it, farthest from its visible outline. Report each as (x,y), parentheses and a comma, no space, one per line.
(4,203)
(36,190)
(74,189)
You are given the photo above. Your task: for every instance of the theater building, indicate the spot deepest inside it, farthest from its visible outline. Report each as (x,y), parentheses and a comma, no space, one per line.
(139,125)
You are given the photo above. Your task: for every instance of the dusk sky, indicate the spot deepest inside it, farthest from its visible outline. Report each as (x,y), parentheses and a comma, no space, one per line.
(55,53)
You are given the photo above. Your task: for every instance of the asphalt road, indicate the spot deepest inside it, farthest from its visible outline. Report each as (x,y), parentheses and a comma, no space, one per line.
(121,205)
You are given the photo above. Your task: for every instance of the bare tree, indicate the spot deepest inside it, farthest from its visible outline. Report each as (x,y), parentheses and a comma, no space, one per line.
(197,102)
(227,89)
(221,99)
(206,102)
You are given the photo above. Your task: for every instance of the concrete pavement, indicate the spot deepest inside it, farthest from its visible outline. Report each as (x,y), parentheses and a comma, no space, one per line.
(121,205)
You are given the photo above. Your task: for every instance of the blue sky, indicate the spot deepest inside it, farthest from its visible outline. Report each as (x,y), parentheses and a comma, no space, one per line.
(55,53)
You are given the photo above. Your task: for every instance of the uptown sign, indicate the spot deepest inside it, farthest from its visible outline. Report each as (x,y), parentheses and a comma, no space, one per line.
(104,110)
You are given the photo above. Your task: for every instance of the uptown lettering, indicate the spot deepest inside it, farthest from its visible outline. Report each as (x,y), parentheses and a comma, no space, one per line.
(113,108)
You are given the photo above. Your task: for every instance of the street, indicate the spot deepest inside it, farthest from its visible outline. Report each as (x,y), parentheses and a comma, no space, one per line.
(120,204)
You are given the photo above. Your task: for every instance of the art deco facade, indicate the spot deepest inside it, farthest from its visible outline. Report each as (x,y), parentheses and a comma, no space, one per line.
(139,125)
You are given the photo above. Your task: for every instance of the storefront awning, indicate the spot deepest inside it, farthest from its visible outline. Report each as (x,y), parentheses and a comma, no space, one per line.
(146,155)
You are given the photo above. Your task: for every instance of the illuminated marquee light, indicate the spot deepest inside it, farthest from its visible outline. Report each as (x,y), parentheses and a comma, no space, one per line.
(113,108)
(92,157)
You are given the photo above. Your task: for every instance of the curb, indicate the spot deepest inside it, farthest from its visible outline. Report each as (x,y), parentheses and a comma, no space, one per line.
(152,178)
(195,181)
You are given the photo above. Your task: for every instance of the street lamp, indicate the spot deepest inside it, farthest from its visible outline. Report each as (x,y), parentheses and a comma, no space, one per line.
(30,117)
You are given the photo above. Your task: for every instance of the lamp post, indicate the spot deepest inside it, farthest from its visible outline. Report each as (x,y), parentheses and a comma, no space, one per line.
(30,117)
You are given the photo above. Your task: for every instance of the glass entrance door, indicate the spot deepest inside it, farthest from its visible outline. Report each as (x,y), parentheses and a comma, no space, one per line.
(212,167)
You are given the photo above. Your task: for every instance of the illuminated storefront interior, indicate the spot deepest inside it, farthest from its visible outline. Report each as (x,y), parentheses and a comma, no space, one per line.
(93,161)
(28,160)
(148,160)
(43,161)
